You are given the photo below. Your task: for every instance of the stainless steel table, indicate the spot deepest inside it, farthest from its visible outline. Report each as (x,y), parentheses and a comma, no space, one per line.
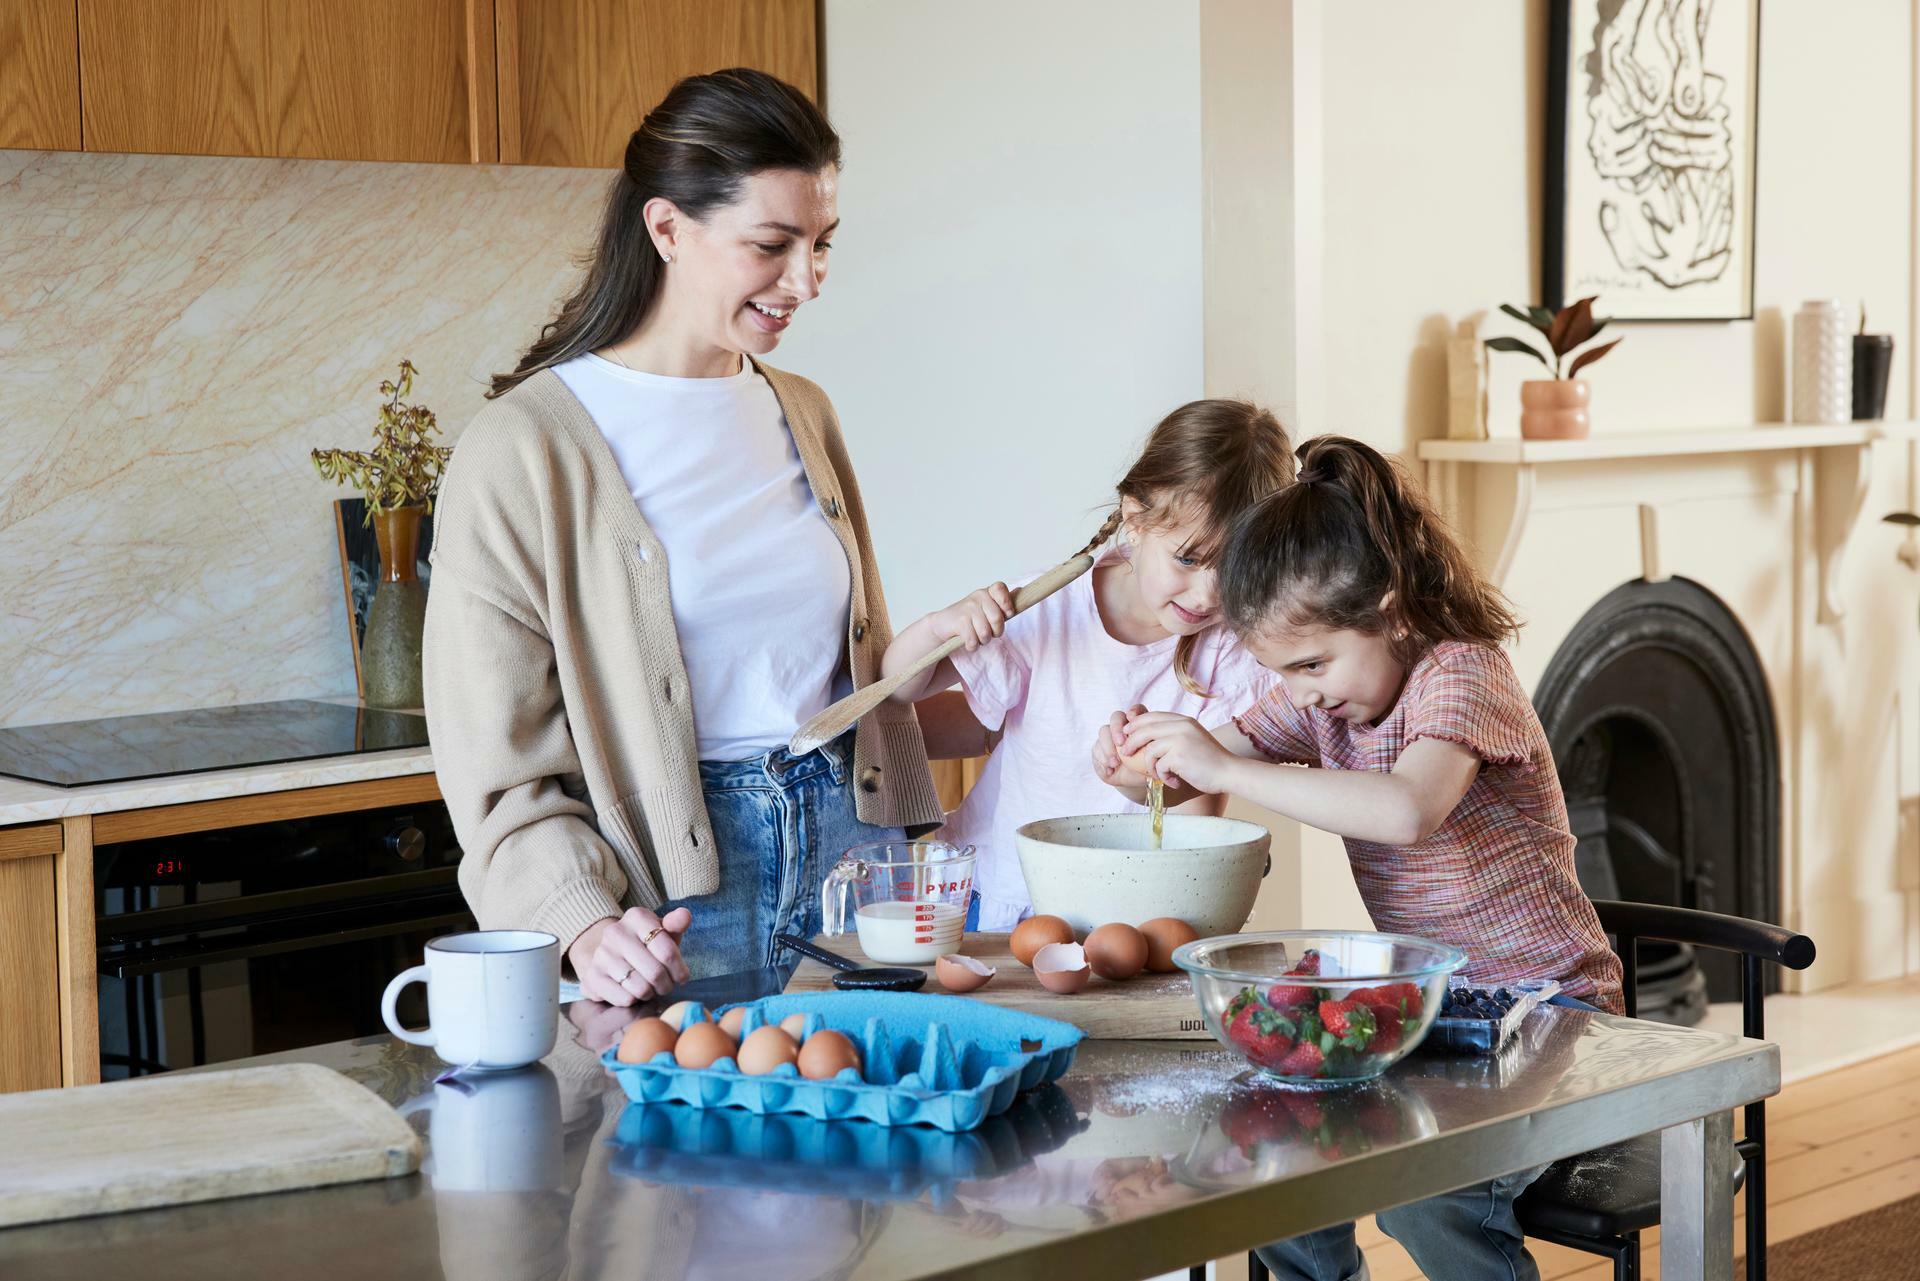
(1146,1158)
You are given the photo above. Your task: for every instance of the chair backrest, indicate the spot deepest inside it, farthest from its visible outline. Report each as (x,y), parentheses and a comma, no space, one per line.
(1755,941)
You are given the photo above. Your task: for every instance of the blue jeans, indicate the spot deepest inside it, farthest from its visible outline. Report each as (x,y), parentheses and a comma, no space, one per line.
(780,822)
(1469,1235)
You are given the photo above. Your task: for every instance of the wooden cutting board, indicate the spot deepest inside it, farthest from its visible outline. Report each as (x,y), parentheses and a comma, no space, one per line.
(1146,1007)
(200,1136)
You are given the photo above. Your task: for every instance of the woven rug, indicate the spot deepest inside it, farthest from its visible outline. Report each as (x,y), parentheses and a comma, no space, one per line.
(1880,1245)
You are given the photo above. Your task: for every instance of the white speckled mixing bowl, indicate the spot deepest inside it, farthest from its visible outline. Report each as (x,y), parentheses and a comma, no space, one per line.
(1101,867)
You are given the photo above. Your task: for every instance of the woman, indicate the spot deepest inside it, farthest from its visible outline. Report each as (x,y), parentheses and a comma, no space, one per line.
(651,564)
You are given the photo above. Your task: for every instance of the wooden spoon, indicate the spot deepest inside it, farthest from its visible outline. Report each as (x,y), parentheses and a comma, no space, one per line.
(845,714)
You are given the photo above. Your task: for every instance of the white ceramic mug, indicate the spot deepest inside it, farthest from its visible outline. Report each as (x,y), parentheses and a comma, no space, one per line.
(498,1133)
(493,998)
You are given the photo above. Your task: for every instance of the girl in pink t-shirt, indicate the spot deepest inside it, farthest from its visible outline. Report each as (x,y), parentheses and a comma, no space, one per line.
(1428,759)
(1143,627)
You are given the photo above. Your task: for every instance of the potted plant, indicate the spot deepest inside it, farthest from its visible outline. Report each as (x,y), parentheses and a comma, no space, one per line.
(1556,408)
(398,477)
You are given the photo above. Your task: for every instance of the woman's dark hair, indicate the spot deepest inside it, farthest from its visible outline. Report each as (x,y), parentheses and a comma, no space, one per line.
(1212,459)
(1351,529)
(697,149)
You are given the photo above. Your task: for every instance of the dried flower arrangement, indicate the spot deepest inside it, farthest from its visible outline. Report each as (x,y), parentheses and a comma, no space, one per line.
(403,467)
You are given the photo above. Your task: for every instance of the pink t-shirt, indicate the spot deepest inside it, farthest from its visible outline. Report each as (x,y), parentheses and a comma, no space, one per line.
(1050,683)
(1496,879)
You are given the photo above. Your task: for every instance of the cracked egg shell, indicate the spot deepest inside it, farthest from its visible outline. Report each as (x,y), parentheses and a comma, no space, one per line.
(959,973)
(1062,967)
(1034,933)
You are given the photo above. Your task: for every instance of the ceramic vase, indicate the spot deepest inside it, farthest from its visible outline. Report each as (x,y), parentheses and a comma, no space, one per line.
(1555,409)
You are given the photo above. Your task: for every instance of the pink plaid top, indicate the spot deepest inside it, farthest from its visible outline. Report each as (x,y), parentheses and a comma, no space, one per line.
(1497,879)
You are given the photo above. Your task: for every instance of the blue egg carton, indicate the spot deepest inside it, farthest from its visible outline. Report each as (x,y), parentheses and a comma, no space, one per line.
(783,1152)
(943,1061)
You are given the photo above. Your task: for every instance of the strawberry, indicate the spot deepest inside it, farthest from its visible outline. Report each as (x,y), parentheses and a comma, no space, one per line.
(1349,1020)
(1309,962)
(1262,1035)
(1304,1060)
(1288,996)
(1387,1030)
(1253,1117)
(1405,996)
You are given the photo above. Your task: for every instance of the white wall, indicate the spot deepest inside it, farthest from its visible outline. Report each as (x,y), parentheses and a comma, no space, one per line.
(1016,291)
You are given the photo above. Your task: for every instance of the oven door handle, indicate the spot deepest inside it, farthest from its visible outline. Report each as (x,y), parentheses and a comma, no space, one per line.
(446,914)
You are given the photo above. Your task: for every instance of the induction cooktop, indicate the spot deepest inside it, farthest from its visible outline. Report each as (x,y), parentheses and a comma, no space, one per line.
(159,744)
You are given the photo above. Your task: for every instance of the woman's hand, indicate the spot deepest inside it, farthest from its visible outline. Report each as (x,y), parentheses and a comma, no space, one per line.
(632,957)
(1107,763)
(1179,749)
(975,618)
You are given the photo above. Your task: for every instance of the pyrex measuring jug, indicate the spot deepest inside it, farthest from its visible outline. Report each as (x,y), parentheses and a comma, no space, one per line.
(909,899)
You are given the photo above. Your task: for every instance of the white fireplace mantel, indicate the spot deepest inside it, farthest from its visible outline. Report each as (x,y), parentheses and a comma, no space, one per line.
(1835,455)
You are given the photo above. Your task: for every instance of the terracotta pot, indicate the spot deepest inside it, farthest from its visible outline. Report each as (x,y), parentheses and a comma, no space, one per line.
(1555,409)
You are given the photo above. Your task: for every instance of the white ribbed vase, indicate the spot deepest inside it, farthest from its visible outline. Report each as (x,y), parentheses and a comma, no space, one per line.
(1823,362)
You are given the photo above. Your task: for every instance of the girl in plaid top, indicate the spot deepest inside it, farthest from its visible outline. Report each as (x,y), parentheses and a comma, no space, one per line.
(1428,759)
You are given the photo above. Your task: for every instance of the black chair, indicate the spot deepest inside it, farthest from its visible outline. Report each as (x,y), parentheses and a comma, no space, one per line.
(1601,1201)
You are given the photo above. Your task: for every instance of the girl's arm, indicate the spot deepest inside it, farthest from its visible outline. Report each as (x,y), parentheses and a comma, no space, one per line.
(1401,807)
(978,617)
(1132,784)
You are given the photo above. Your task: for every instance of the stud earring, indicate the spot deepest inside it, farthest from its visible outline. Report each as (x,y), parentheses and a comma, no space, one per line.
(666,257)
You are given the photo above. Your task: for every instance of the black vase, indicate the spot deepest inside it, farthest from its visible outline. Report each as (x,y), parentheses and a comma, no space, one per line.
(1872,362)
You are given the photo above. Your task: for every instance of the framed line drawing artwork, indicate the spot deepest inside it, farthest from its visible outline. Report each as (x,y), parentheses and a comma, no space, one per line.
(1652,130)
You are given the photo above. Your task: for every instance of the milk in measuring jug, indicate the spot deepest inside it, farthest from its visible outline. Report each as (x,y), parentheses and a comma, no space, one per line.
(909,933)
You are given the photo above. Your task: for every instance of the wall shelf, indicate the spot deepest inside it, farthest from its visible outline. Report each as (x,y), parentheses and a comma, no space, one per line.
(1833,457)
(1760,438)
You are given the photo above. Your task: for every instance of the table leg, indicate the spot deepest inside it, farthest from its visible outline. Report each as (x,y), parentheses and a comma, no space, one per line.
(1696,1200)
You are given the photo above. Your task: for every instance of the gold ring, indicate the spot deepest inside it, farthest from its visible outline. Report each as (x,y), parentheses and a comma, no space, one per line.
(652,934)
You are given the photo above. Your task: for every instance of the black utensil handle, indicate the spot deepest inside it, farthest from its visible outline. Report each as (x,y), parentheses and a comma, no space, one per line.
(819,954)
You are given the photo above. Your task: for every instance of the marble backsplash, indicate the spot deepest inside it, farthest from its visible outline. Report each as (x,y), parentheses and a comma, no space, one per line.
(175,334)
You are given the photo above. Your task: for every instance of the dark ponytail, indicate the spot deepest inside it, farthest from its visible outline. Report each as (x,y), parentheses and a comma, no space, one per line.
(697,149)
(1354,530)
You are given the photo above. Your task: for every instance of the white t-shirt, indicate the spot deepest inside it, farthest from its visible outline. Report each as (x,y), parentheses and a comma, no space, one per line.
(759,583)
(1050,682)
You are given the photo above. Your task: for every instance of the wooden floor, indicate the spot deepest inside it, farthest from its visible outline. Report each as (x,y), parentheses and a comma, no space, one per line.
(1837,1145)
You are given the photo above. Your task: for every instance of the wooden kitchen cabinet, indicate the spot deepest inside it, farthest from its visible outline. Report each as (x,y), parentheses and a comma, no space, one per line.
(345,80)
(577,76)
(39,75)
(30,1057)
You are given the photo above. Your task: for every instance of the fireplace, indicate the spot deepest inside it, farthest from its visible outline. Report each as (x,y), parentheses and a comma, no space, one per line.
(1663,733)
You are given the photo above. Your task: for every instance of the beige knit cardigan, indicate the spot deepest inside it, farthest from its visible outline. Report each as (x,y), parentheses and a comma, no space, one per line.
(557,698)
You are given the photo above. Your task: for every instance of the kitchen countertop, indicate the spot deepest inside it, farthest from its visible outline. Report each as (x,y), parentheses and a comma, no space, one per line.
(1146,1157)
(25,802)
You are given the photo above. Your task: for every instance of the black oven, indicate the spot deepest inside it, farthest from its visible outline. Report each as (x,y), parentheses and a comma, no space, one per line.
(221,945)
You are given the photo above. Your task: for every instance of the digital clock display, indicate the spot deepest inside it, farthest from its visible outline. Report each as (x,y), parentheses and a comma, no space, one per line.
(169,868)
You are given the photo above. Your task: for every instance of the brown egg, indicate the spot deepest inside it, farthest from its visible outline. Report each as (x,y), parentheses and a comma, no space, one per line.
(730,1021)
(1164,933)
(765,1049)
(1035,933)
(1117,951)
(1062,967)
(702,1045)
(795,1026)
(962,973)
(826,1054)
(645,1038)
(675,1015)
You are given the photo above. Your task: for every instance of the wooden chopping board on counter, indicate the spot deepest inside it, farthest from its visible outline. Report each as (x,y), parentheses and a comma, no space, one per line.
(198,1136)
(1146,1007)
